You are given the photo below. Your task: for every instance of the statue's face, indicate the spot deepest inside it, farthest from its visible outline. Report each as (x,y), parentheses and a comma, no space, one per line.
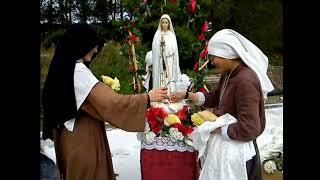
(165,24)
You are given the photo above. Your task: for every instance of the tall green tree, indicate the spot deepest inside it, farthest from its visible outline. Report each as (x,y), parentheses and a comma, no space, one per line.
(84,8)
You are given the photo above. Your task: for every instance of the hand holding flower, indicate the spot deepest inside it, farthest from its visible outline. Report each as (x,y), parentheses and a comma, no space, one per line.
(158,94)
(177,96)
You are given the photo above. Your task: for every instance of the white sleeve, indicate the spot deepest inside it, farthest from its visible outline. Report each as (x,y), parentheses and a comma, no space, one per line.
(84,81)
(202,99)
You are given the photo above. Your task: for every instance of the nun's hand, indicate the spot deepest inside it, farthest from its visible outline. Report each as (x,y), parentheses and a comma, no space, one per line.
(177,96)
(158,94)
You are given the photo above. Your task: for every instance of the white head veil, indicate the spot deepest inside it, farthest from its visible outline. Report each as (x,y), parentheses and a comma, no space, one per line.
(229,44)
(146,77)
(156,68)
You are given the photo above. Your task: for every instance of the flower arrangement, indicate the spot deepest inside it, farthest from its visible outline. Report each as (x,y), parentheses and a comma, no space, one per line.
(177,126)
(113,83)
(273,163)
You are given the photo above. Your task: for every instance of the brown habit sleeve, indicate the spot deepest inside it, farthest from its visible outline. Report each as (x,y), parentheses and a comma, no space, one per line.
(248,98)
(127,112)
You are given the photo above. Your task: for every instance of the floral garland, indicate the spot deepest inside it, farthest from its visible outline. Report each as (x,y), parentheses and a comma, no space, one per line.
(130,33)
(200,68)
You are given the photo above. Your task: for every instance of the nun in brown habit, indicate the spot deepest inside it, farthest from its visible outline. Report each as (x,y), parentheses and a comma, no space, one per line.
(76,106)
(240,96)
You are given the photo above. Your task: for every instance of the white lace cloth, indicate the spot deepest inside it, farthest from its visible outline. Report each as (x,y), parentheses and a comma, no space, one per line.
(224,159)
(166,143)
(150,141)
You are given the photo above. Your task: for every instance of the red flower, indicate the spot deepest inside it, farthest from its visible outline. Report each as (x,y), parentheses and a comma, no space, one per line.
(135,38)
(152,116)
(133,24)
(204,52)
(192,6)
(159,112)
(204,27)
(196,67)
(131,69)
(183,129)
(201,37)
(183,113)
(128,40)
(202,89)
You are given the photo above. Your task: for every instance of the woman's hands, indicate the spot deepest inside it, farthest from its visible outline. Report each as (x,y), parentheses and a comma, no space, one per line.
(158,94)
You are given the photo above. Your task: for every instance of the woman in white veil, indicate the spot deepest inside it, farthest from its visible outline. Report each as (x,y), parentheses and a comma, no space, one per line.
(165,56)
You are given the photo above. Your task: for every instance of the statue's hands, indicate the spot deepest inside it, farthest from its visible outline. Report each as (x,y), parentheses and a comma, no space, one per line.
(177,96)
(158,94)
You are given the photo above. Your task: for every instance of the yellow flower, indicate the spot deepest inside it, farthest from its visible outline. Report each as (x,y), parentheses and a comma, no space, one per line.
(196,119)
(116,84)
(171,119)
(113,83)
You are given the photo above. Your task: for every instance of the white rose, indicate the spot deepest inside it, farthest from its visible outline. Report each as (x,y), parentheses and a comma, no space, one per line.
(179,136)
(150,137)
(172,131)
(270,166)
(141,136)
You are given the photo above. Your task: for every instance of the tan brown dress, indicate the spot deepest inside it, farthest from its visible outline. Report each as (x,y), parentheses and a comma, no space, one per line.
(84,154)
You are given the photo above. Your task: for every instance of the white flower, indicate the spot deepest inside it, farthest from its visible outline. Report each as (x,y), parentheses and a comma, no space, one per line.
(184,82)
(175,134)
(178,136)
(146,127)
(141,136)
(150,137)
(172,131)
(270,166)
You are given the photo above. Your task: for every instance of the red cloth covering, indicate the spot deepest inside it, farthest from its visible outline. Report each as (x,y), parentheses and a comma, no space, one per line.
(169,165)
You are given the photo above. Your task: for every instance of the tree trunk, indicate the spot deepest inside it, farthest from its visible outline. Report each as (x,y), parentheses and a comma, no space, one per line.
(70,11)
(63,14)
(50,12)
(110,7)
(121,10)
(114,9)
